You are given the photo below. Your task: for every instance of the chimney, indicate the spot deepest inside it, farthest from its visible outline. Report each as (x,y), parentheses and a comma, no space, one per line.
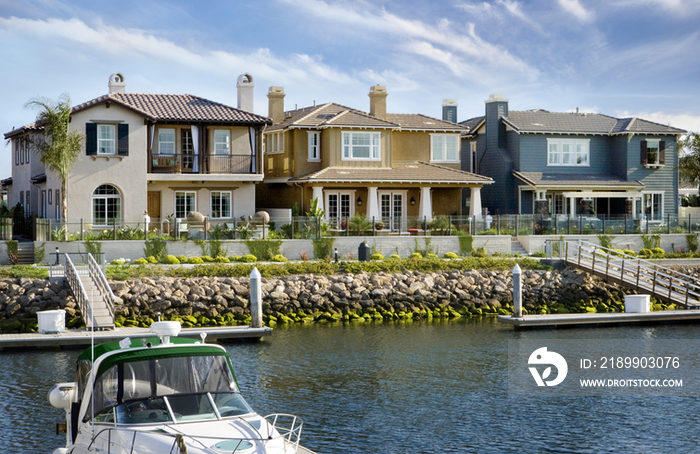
(275,96)
(116,83)
(244,86)
(377,101)
(449,110)
(496,107)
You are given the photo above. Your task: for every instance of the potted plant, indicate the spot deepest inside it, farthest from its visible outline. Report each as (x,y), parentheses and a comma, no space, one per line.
(379,225)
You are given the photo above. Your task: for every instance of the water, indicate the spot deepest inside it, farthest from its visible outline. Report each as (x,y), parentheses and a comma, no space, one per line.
(398,388)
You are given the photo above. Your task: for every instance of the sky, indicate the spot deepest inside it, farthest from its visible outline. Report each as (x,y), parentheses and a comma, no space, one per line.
(617,57)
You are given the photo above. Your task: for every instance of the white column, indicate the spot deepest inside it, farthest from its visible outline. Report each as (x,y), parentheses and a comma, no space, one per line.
(425,210)
(256,320)
(572,206)
(373,204)
(318,194)
(475,202)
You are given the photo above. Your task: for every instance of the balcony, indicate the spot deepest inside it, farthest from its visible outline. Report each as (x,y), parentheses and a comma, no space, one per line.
(204,164)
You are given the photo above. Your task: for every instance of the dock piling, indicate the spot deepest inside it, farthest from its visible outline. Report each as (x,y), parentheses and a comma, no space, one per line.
(517,292)
(255,299)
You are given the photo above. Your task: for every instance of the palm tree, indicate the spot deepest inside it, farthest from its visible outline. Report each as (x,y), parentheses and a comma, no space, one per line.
(59,148)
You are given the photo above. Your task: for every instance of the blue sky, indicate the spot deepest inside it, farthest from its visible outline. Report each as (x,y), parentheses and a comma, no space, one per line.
(618,57)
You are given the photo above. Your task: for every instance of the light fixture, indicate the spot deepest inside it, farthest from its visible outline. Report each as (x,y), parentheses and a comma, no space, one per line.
(413,201)
(359,201)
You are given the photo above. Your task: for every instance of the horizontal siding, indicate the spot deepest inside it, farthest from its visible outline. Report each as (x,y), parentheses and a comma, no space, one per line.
(664,179)
(533,155)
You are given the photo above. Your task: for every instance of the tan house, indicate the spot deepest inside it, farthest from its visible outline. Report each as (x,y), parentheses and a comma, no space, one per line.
(164,155)
(389,167)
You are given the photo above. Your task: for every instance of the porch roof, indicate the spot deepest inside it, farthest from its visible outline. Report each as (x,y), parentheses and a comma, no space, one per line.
(602,194)
(575,182)
(411,172)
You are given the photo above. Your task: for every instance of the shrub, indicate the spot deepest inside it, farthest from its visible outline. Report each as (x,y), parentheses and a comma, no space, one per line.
(376,256)
(141,261)
(151,259)
(450,255)
(249,258)
(182,258)
(395,257)
(93,247)
(416,255)
(658,251)
(155,247)
(235,258)
(430,255)
(481,252)
(207,259)
(651,241)
(171,260)
(323,246)
(264,249)
(629,252)
(691,240)
(644,252)
(195,260)
(12,251)
(221,259)
(538,254)
(30,271)
(278,258)
(605,240)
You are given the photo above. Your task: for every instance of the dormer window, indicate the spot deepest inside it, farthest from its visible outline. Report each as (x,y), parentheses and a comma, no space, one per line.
(653,153)
(568,152)
(361,146)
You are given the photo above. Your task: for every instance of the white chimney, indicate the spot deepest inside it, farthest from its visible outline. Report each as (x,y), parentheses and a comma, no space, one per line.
(245,92)
(116,83)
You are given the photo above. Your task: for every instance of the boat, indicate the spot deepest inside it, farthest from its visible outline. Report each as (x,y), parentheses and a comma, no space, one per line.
(165,394)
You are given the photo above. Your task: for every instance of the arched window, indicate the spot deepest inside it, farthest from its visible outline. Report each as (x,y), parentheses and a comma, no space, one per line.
(106,206)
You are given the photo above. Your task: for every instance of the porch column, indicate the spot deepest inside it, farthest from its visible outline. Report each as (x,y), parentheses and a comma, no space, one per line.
(425,210)
(373,204)
(572,206)
(318,194)
(475,202)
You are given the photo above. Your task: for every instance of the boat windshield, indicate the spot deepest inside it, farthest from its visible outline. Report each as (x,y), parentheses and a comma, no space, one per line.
(166,390)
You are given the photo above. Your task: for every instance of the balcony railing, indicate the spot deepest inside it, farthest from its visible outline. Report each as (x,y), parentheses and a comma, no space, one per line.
(201,164)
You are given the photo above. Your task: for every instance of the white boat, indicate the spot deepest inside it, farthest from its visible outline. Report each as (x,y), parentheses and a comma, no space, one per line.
(165,394)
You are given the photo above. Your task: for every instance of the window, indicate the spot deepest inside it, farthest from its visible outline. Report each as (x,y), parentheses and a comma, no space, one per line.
(166,141)
(556,203)
(222,142)
(187,149)
(392,208)
(443,147)
(314,146)
(21,151)
(16,152)
(568,152)
(105,139)
(28,207)
(21,200)
(364,146)
(50,192)
(220,204)
(26,150)
(106,206)
(653,206)
(472,147)
(58,205)
(653,153)
(185,201)
(275,142)
(339,206)
(43,210)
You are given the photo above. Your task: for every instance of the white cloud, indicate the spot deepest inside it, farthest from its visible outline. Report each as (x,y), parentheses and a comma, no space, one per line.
(575,8)
(686,121)
(675,7)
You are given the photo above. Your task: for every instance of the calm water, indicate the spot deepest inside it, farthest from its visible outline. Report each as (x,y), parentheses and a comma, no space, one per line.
(398,388)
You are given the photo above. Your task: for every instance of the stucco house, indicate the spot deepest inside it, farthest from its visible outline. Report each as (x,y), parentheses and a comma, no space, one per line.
(164,155)
(389,167)
(573,163)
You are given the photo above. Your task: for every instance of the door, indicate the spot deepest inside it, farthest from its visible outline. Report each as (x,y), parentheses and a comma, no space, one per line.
(392,209)
(153,203)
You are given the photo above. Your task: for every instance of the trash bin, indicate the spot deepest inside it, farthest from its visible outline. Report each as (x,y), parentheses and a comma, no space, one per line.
(52,322)
(363,252)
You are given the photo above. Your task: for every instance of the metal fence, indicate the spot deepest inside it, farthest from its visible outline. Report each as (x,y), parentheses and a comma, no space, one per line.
(304,227)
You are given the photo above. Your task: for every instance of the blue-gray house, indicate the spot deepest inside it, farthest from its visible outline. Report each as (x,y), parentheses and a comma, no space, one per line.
(572,163)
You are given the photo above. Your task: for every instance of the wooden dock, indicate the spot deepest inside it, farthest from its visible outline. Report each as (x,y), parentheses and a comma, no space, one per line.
(600,319)
(82,338)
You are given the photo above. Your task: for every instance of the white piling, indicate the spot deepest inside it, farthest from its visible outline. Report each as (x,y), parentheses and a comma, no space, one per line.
(255,299)
(517,292)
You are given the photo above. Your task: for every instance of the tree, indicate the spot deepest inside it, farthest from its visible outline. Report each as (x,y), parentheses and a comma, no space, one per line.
(58,148)
(689,162)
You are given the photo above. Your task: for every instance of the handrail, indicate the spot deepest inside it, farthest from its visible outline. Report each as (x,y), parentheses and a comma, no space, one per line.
(79,291)
(100,280)
(662,282)
(105,441)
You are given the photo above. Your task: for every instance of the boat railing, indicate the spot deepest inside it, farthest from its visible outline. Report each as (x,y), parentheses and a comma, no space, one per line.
(79,292)
(114,440)
(100,280)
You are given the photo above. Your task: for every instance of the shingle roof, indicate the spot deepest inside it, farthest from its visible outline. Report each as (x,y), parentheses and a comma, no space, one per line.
(414,172)
(472,123)
(542,121)
(419,121)
(31,127)
(573,180)
(177,108)
(330,115)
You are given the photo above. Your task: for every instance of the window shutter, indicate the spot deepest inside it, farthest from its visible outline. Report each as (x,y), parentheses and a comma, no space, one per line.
(123,139)
(644,152)
(90,139)
(662,152)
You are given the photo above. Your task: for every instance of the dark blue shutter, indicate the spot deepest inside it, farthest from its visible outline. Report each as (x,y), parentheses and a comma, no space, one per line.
(90,139)
(644,152)
(662,152)
(123,140)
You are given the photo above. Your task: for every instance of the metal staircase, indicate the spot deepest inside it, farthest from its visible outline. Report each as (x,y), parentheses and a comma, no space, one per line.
(92,293)
(632,272)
